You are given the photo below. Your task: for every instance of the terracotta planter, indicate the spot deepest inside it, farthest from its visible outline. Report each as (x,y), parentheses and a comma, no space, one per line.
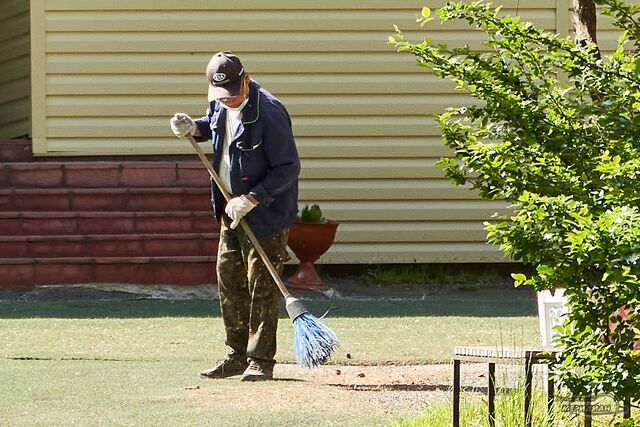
(309,241)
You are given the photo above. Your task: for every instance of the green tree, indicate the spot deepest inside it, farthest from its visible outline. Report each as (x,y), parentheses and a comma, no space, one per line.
(569,164)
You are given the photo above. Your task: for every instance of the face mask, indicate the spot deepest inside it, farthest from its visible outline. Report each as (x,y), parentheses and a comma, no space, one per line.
(238,108)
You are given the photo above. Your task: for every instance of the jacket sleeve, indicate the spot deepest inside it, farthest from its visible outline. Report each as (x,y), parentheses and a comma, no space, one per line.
(281,153)
(204,126)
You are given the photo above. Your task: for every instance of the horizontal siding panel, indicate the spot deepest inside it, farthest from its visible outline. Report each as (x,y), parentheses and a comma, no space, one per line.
(367,253)
(113,146)
(108,127)
(605,23)
(379,189)
(380,232)
(14,129)
(369,169)
(292,42)
(355,5)
(297,105)
(17,110)
(608,41)
(281,85)
(226,20)
(14,90)
(256,21)
(122,105)
(375,146)
(366,125)
(14,47)
(15,69)
(308,147)
(13,9)
(474,209)
(381,104)
(13,26)
(256,63)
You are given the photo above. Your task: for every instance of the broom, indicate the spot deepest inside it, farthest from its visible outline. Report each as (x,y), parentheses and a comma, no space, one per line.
(313,342)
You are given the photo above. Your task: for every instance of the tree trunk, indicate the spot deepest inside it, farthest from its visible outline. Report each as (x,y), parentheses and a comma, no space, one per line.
(584,23)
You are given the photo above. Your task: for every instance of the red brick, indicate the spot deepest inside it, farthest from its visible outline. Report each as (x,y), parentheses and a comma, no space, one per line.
(4,176)
(209,246)
(99,200)
(71,246)
(192,174)
(135,271)
(8,226)
(35,174)
(116,246)
(141,202)
(62,272)
(17,276)
(95,175)
(14,248)
(41,200)
(174,224)
(205,223)
(196,202)
(148,174)
(35,226)
(175,199)
(6,200)
(106,225)
(168,246)
(188,273)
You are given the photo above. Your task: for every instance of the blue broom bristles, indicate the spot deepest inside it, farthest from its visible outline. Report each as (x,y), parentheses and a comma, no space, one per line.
(313,342)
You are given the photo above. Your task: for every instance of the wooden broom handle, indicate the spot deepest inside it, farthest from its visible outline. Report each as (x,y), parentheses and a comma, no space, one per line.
(252,237)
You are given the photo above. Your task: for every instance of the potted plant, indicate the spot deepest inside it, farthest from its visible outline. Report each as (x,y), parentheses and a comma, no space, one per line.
(310,237)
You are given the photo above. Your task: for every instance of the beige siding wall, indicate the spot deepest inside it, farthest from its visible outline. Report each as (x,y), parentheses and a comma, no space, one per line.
(112,73)
(14,68)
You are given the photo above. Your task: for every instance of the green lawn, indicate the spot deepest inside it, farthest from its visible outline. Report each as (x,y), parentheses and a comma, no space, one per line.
(134,362)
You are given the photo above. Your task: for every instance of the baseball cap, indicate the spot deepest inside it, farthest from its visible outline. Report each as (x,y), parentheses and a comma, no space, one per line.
(224,73)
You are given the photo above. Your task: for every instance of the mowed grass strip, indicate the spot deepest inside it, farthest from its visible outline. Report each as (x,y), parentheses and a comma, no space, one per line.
(125,362)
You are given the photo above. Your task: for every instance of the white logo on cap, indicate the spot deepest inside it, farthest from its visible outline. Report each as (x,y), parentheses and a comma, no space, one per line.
(218,77)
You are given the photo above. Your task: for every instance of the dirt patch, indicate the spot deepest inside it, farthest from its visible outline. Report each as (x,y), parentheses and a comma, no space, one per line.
(391,390)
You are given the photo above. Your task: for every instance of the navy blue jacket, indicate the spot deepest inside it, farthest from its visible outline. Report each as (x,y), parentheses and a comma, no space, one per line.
(264,160)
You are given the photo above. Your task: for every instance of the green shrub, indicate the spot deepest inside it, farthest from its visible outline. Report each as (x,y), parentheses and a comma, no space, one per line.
(568,163)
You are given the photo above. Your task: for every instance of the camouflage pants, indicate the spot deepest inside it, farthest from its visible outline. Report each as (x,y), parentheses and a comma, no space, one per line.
(249,298)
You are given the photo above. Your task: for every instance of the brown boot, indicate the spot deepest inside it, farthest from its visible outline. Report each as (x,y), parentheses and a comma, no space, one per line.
(230,366)
(258,370)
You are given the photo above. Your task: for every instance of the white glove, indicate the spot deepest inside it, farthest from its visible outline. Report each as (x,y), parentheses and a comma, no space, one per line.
(182,124)
(237,208)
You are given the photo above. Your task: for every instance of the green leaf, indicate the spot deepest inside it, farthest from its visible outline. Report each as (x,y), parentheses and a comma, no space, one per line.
(311,213)
(518,278)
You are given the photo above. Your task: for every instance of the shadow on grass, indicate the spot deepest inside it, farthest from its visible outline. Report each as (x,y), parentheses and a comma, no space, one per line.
(472,304)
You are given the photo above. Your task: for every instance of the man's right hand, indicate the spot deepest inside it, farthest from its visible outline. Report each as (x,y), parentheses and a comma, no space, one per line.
(182,124)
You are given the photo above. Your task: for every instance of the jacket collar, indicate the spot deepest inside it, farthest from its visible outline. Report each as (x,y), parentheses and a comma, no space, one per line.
(251,111)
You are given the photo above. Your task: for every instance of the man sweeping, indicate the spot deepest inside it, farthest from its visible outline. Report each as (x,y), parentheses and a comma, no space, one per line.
(255,155)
